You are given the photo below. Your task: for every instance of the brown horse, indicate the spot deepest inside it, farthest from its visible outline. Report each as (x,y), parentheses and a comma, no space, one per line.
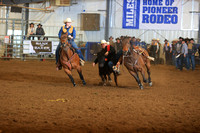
(69,59)
(135,62)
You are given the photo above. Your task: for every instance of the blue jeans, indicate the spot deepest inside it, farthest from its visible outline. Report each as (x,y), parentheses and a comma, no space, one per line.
(174,59)
(178,62)
(110,65)
(184,61)
(191,59)
(78,51)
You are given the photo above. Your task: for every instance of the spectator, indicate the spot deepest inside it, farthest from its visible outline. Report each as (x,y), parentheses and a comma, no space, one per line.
(167,49)
(178,52)
(174,43)
(183,55)
(118,45)
(155,48)
(31,31)
(40,31)
(111,41)
(158,53)
(191,52)
(118,49)
(138,43)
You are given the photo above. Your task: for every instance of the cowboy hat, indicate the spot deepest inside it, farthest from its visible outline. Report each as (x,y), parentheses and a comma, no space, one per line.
(165,40)
(158,39)
(191,39)
(68,20)
(180,38)
(39,24)
(175,40)
(103,41)
(111,37)
(31,24)
(153,39)
(138,39)
(117,39)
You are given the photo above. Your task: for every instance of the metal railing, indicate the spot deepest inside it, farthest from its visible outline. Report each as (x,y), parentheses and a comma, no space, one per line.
(14,48)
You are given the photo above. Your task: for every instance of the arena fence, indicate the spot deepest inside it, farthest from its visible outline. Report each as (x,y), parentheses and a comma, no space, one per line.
(19,47)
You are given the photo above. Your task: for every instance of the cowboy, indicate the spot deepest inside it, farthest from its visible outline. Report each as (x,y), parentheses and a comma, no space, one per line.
(68,28)
(111,41)
(118,45)
(191,53)
(167,49)
(183,55)
(155,48)
(40,31)
(174,43)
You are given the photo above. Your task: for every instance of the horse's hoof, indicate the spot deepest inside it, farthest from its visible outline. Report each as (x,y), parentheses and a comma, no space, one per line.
(74,85)
(150,84)
(104,84)
(84,83)
(141,87)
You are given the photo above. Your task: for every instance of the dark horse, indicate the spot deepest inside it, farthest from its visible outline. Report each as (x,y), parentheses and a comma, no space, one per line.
(136,62)
(69,59)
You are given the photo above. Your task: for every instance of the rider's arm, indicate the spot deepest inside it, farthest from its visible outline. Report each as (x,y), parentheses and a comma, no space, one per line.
(60,32)
(74,33)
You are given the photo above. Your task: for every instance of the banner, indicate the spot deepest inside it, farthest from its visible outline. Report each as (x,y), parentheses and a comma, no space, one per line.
(131,12)
(42,46)
(39,46)
(152,14)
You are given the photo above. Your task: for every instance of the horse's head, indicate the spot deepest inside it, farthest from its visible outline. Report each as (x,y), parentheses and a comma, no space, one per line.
(64,40)
(126,46)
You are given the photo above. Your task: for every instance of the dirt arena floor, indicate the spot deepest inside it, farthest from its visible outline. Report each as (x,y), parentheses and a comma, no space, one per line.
(34,97)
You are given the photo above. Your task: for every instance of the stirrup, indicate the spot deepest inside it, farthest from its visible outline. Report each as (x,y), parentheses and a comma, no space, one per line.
(82,62)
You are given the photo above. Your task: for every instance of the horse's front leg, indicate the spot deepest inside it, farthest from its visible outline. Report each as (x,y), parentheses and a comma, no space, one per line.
(149,72)
(143,75)
(115,78)
(79,70)
(69,73)
(135,75)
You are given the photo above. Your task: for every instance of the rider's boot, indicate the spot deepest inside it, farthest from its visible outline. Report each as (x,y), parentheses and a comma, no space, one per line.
(58,66)
(82,62)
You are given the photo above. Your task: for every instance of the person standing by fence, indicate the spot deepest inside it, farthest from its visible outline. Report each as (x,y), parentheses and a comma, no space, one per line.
(167,49)
(40,31)
(191,54)
(31,31)
(183,55)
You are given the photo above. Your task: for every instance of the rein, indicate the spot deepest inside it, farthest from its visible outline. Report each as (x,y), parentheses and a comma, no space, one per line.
(129,56)
(69,58)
